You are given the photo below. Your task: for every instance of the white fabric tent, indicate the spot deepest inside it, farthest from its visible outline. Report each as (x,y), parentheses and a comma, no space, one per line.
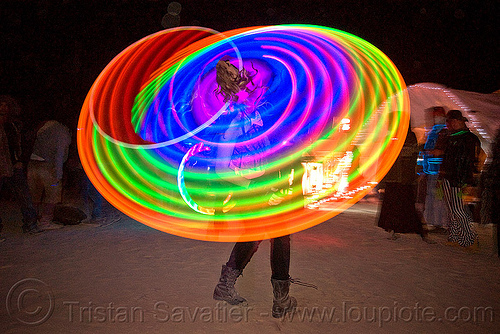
(482,110)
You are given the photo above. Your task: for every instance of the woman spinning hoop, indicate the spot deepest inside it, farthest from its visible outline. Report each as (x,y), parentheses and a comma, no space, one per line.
(237,87)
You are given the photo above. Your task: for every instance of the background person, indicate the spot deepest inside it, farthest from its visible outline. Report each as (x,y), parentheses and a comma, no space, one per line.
(490,195)
(398,213)
(13,161)
(45,169)
(434,209)
(461,157)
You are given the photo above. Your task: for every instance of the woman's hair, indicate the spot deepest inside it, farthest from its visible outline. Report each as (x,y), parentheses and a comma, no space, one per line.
(231,81)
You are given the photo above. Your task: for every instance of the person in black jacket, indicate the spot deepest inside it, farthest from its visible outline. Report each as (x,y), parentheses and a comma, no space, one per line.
(461,152)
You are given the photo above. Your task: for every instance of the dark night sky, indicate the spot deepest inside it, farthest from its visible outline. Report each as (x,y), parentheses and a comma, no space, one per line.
(52,50)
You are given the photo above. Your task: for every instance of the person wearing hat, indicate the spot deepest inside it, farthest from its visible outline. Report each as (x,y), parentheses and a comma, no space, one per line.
(460,164)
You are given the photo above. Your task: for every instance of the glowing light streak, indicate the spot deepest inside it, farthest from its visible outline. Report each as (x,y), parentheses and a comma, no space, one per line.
(150,126)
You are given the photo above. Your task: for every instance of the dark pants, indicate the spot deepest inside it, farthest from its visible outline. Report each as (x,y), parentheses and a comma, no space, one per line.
(280,256)
(19,185)
(280,247)
(90,194)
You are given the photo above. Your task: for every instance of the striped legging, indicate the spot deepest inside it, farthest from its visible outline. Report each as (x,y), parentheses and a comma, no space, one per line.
(461,226)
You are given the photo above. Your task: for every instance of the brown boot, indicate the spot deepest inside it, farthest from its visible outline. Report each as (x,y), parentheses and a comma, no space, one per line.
(225,290)
(282,302)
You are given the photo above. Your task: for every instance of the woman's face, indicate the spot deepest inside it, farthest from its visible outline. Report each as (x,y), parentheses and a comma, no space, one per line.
(454,124)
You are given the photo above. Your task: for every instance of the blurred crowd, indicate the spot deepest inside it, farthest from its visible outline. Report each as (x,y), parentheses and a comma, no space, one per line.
(448,186)
(36,160)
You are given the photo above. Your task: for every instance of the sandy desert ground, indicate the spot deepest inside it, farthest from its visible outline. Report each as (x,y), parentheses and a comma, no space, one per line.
(129,278)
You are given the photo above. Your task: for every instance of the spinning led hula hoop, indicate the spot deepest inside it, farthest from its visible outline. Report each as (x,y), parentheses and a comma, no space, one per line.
(151,127)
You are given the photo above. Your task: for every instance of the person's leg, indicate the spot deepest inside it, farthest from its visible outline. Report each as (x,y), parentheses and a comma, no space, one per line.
(52,195)
(280,279)
(97,198)
(415,215)
(430,200)
(448,199)
(461,226)
(240,256)
(34,185)
(24,200)
(92,198)
(280,257)
(85,194)
(421,194)
(438,214)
